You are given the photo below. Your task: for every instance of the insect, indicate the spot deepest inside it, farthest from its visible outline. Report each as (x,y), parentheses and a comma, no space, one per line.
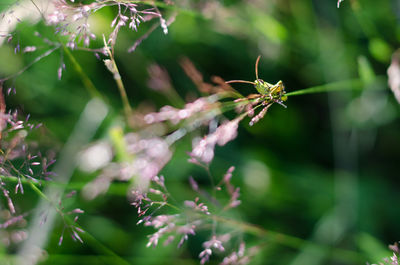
(269,93)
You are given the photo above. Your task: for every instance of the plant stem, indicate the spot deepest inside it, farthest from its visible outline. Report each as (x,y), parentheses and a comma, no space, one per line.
(37,59)
(166,6)
(118,80)
(352,84)
(85,79)
(292,241)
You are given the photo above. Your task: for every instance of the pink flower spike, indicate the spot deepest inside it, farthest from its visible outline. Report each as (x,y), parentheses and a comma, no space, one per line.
(77,210)
(75,236)
(193,184)
(60,240)
(79,230)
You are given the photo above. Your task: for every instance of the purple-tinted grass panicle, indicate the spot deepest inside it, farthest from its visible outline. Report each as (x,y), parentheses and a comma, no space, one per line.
(16,220)
(168,227)
(138,157)
(61,239)
(395,247)
(60,70)
(75,236)
(185,231)
(164,24)
(240,257)
(74,21)
(196,206)
(70,194)
(394,75)
(159,79)
(7,196)
(12,228)
(215,243)
(203,150)
(14,147)
(193,184)
(195,215)
(234,192)
(394,259)
(29,49)
(151,155)
(259,116)
(72,227)
(196,77)
(191,110)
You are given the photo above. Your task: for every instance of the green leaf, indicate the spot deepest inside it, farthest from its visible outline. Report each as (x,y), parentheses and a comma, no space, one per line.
(365,70)
(372,247)
(380,50)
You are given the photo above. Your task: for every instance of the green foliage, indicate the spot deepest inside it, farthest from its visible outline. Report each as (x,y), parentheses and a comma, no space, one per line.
(319,180)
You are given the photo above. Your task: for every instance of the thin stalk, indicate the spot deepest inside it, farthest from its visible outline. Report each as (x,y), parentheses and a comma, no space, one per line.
(169,205)
(37,59)
(213,198)
(166,6)
(117,77)
(94,259)
(291,241)
(346,85)
(115,188)
(118,189)
(283,239)
(67,219)
(38,9)
(91,88)
(101,248)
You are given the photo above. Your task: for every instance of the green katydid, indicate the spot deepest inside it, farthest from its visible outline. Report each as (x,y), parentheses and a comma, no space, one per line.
(269,92)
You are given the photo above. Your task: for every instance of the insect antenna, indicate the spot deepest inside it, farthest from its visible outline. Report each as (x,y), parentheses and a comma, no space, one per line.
(239,81)
(258,59)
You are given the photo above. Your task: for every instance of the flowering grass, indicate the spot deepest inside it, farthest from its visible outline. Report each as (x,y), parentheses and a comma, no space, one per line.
(164,151)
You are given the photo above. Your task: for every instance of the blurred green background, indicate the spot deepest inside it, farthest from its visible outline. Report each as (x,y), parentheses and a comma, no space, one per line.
(324,170)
